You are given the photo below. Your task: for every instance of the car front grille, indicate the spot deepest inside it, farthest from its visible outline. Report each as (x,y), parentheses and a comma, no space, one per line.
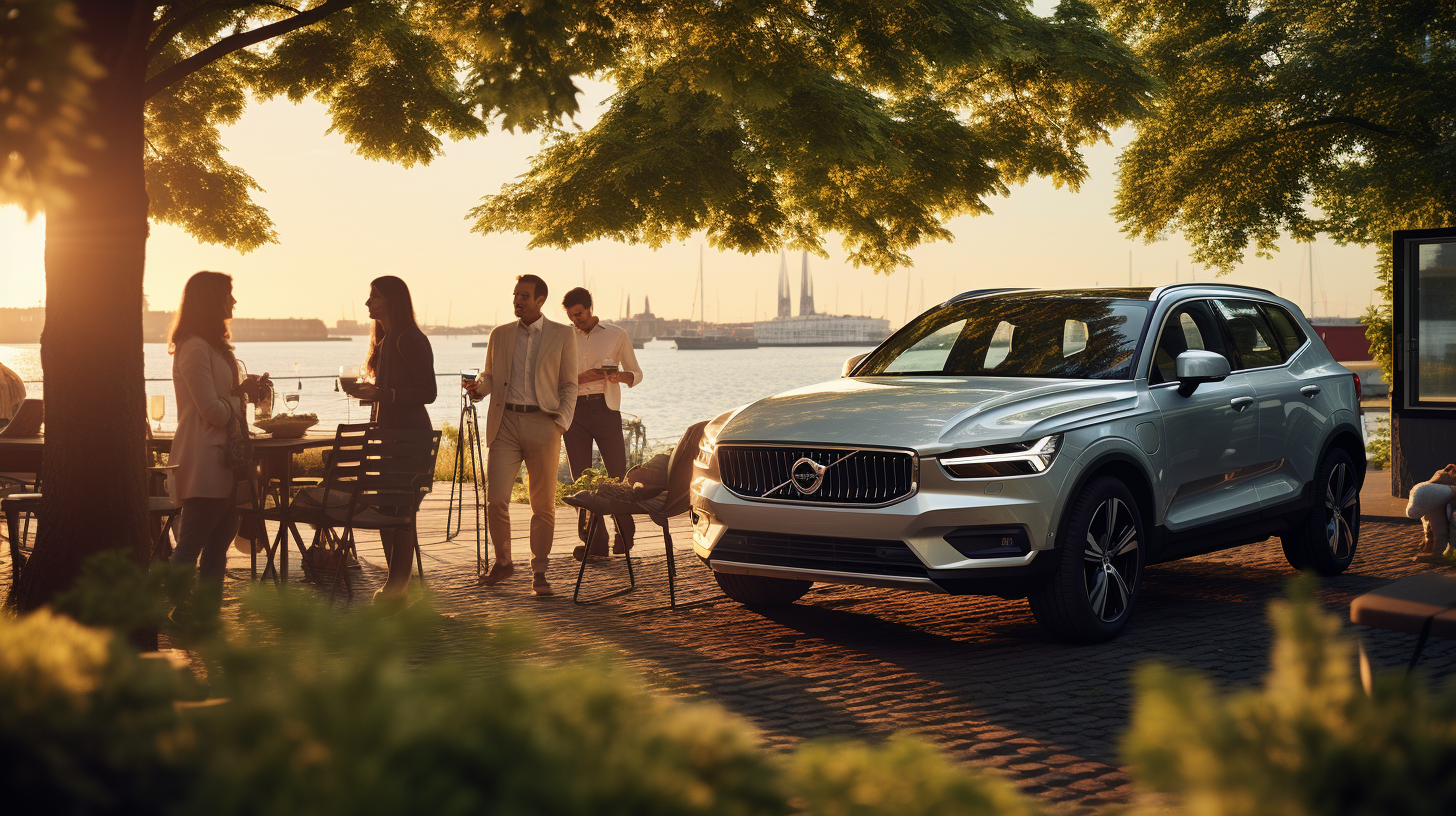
(862,556)
(852,476)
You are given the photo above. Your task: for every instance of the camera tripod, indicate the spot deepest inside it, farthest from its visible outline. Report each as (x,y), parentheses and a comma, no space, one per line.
(467,443)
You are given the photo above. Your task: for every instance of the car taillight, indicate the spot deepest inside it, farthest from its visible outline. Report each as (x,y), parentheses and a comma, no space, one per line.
(1359,392)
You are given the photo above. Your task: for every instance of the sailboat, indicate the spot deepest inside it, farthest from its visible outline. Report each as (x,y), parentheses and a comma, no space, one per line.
(709,338)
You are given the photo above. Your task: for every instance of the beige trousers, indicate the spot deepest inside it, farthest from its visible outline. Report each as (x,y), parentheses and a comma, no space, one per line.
(534,439)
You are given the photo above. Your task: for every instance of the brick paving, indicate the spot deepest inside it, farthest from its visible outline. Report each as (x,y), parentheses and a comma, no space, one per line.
(976,676)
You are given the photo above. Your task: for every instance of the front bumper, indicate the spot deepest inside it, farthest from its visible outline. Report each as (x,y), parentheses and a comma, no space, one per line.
(902,545)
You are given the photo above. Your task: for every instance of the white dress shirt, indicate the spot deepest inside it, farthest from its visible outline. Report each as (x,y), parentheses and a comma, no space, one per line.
(606,343)
(522,388)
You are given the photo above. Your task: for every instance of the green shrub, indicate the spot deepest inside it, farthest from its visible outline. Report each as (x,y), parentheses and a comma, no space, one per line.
(1310,742)
(902,777)
(1377,450)
(321,711)
(86,725)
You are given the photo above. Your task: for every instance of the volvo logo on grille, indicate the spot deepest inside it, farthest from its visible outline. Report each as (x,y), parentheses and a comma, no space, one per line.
(806,475)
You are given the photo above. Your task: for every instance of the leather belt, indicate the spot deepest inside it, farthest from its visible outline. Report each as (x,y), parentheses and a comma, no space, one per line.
(522,409)
(580,397)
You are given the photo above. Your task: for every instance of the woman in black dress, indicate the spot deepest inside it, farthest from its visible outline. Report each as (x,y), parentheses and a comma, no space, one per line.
(402,366)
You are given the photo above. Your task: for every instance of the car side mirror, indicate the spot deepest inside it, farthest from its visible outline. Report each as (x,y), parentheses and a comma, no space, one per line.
(851,363)
(1196,367)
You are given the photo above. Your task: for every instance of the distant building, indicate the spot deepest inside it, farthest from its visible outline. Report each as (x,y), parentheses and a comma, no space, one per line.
(21,325)
(345,328)
(256,330)
(810,328)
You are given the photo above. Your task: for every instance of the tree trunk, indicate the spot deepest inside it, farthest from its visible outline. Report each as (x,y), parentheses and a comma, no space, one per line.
(94,479)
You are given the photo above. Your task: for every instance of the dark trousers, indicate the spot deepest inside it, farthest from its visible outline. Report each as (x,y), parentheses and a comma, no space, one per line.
(208,527)
(595,422)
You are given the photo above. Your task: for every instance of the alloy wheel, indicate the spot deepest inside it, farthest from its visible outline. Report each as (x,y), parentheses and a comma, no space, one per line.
(1110,561)
(1342,507)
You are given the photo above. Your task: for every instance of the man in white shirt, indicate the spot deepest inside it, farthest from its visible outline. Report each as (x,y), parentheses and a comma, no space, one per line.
(530,375)
(599,404)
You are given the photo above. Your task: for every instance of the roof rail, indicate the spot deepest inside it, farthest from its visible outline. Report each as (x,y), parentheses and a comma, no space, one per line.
(975,293)
(1158,292)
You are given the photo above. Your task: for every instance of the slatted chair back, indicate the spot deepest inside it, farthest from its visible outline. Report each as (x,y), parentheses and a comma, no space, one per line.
(343,463)
(680,471)
(396,467)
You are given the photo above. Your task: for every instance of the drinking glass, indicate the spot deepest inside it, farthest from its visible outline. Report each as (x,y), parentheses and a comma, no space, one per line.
(157,407)
(290,401)
(348,376)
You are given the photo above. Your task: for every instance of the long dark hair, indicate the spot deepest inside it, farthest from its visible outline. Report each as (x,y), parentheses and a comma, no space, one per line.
(401,316)
(203,313)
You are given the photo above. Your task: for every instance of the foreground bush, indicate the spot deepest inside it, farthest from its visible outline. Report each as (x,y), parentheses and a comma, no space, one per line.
(1311,742)
(312,710)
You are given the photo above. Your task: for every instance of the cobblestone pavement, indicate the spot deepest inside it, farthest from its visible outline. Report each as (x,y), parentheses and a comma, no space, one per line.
(977,676)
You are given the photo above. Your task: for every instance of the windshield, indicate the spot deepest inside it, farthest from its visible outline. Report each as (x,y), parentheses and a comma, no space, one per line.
(1022,335)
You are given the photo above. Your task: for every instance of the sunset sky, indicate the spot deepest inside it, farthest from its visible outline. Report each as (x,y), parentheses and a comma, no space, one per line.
(343,220)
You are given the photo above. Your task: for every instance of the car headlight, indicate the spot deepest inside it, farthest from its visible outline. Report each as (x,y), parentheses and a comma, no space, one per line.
(997,461)
(706,447)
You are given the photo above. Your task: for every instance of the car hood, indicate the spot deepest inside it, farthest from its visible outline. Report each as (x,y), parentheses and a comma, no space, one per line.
(929,414)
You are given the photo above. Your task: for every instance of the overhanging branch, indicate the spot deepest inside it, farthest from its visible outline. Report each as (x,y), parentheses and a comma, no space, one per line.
(239,41)
(167,28)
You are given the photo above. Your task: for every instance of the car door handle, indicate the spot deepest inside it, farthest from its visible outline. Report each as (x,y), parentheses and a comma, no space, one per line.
(1240,403)
(1310,390)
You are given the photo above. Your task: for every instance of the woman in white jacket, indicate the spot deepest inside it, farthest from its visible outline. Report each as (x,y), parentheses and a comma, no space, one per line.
(210,395)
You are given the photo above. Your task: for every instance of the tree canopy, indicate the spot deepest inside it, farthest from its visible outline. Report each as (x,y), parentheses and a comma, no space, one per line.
(1305,117)
(763,123)
(1310,117)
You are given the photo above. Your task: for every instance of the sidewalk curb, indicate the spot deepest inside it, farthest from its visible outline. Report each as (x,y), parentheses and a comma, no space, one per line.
(1393,519)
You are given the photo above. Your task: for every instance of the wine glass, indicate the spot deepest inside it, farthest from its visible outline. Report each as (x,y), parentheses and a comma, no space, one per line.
(348,376)
(157,407)
(290,401)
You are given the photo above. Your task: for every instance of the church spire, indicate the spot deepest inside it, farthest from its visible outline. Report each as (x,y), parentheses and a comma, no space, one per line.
(785,305)
(806,288)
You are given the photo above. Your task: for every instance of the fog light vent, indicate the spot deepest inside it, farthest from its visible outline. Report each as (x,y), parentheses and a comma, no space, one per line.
(990,542)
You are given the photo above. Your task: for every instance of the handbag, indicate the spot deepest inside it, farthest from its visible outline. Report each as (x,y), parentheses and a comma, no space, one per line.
(237,453)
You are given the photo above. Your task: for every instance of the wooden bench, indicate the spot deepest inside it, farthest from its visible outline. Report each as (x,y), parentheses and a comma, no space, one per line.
(1422,605)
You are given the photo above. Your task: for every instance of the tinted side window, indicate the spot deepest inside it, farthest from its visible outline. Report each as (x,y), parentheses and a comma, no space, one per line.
(1286,329)
(1253,338)
(1189,326)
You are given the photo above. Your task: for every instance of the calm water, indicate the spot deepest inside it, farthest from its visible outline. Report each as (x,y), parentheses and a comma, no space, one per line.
(678,387)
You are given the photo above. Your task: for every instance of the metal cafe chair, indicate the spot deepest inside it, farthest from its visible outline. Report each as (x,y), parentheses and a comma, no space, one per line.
(342,464)
(15,505)
(395,468)
(671,503)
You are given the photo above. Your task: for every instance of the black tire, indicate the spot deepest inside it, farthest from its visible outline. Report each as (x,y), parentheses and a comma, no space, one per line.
(1091,595)
(1327,538)
(757,590)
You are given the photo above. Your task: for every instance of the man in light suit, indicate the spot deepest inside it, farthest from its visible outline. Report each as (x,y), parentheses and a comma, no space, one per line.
(530,376)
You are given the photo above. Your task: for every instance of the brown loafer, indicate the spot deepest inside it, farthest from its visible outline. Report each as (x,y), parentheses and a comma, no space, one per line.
(498,572)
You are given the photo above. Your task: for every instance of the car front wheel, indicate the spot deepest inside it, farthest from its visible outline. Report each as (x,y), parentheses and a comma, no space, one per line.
(1326,540)
(1092,592)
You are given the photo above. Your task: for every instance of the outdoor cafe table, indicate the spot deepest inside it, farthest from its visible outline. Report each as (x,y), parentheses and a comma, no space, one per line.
(275,457)
(25,454)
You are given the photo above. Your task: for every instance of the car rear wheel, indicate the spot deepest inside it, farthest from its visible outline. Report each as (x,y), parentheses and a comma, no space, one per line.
(1091,594)
(758,590)
(1326,540)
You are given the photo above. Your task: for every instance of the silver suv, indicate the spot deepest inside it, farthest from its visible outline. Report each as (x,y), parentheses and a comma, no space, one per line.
(1045,445)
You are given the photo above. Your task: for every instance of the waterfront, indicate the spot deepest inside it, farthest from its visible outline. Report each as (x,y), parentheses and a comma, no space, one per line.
(678,387)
